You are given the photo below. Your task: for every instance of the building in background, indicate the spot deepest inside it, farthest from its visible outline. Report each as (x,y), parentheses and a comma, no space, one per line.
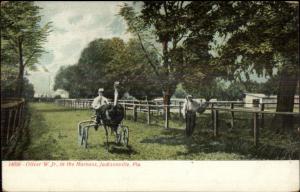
(254,99)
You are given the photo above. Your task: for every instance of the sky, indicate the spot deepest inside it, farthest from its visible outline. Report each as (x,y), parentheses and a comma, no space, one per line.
(74,25)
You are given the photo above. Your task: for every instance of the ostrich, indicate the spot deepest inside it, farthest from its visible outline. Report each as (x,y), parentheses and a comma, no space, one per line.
(112,115)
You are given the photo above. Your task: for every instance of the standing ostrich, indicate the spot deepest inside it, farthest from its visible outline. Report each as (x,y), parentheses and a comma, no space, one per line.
(112,115)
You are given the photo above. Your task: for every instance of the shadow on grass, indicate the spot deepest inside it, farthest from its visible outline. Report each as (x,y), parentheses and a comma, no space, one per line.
(168,137)
(203,141)
(115,148)
(38,143)
(119,149)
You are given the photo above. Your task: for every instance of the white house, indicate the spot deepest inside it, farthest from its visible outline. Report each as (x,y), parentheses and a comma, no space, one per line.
(254,99)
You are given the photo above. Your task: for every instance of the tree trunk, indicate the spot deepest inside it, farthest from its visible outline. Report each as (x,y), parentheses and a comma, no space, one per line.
(20,80)
(285,99)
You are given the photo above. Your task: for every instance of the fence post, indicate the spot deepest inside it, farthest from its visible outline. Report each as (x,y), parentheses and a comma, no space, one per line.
(134,113)
(255,129)
(215,122)
(20,115)
(262,116)
(232,115)
(140,106)
(212,112)
(148,115)
(15,118)
(8,127)
(167,117)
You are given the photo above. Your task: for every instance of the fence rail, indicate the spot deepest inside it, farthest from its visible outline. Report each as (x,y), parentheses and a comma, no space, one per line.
(12,119)
(150,107)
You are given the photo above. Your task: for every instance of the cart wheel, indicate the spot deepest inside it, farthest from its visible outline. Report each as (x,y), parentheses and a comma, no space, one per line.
(125,136)
(118,136)
(84,138)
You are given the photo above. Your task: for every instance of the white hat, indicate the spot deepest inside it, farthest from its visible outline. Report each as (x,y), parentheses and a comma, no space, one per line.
(100,90)
(189,96)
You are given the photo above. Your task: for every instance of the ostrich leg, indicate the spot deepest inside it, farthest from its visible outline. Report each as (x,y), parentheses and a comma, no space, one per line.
(106,134)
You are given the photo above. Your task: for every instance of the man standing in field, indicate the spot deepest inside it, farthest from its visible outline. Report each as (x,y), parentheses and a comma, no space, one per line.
(190,107)
(97,103)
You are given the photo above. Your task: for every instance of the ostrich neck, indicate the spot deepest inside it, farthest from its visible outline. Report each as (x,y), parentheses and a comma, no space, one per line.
(116,97)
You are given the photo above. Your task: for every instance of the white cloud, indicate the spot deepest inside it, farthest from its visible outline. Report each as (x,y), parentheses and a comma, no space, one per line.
(75,24)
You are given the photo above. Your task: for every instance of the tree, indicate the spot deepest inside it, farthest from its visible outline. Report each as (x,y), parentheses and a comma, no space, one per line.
(68,78)
(21,37)
(130,67)
(92,66)
(271,86)
(180,92)
(161,22)
(266,35)
(28,90)
(104,61)
(235,91)
(207,89)
(185,32)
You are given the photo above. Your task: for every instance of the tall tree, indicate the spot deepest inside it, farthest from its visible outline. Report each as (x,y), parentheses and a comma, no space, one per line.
(185,32)
(22,37)
(266,34)
(162,23)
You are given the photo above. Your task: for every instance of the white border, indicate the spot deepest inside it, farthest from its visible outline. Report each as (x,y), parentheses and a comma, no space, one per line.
(151,176)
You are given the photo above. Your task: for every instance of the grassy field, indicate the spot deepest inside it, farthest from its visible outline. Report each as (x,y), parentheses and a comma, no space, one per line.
(53,136)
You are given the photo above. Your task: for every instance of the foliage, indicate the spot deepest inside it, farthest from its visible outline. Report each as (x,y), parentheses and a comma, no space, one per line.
(206,89)
(160,23)
(187,34)
(28,90)
(234,39)
(180,92)
(265,35)
(235,91)
(271,86)
(130,67)
(22,37)
(103,62)
(8,89)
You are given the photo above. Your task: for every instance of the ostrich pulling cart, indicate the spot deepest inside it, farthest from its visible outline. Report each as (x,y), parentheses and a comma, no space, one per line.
(111,115)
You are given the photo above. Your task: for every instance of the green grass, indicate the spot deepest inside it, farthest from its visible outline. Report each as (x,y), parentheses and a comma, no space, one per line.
(53,136)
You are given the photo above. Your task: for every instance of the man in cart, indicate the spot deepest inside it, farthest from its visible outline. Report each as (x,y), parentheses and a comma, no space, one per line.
(97,103)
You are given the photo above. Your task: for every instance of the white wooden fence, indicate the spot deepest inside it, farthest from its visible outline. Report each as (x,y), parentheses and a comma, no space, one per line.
(151,107)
